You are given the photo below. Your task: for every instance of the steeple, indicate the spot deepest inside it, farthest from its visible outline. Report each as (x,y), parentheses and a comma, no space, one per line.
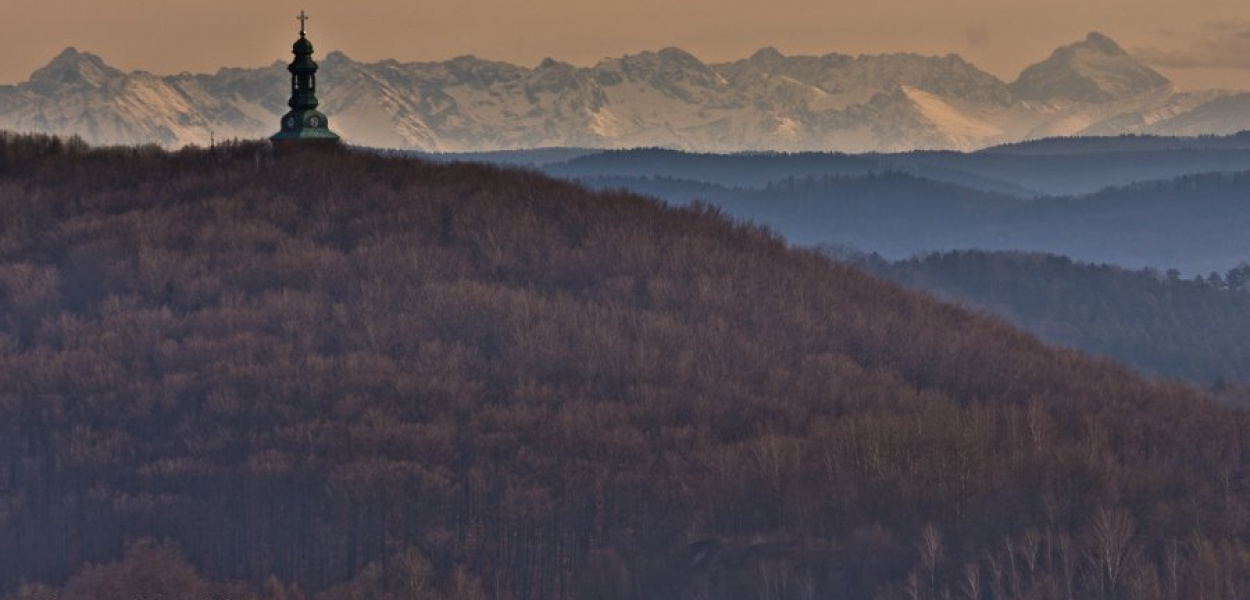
(304,122)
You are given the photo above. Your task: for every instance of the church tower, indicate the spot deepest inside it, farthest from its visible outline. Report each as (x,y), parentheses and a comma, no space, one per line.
(304,124)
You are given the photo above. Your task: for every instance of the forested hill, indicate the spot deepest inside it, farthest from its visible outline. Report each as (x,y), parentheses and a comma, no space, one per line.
(342,376)
(1196,329)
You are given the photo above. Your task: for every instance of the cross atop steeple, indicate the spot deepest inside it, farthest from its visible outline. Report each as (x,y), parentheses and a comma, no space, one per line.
(302,18)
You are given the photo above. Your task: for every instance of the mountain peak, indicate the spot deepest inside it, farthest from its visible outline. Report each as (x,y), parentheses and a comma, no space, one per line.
(72,68)
(767,54)
(551,63)
(675,54)
(1094,70)
(69,52)
(72,58)
(671,57)
(1100,43)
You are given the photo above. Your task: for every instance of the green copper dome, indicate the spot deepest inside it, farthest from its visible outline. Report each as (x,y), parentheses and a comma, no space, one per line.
(302,46)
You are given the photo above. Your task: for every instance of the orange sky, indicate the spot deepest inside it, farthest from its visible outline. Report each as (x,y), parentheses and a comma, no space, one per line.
(1197,43)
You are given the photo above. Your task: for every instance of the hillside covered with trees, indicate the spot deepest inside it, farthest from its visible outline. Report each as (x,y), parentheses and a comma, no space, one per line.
(339,376)
(1196,329)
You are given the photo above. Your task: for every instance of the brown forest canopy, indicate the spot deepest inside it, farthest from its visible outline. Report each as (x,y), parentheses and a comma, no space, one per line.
(347,376)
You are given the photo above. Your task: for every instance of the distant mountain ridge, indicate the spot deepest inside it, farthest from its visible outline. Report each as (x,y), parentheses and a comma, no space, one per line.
(669,98)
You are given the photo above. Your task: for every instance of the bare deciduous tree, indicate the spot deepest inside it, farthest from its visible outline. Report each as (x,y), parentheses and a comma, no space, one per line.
(1109,546)
(930,548)
(970,584)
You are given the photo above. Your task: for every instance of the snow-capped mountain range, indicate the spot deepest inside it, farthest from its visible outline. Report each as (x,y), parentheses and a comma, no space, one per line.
(894,102)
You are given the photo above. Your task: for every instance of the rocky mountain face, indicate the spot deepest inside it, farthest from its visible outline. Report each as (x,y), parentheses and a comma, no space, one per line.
(1094,71)
(669,98)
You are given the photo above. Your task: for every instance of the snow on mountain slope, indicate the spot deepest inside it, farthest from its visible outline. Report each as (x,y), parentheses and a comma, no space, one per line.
(77,94)
(1095,70)
(962,131)
(669,98)
(1223,115)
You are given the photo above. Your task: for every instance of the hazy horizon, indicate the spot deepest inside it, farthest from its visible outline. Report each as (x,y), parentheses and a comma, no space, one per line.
(1200,44)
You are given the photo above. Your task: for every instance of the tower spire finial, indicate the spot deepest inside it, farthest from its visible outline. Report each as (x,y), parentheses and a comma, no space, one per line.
(303,19)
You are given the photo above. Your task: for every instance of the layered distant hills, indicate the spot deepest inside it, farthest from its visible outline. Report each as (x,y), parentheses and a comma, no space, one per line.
(1138,202)
(770,101)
